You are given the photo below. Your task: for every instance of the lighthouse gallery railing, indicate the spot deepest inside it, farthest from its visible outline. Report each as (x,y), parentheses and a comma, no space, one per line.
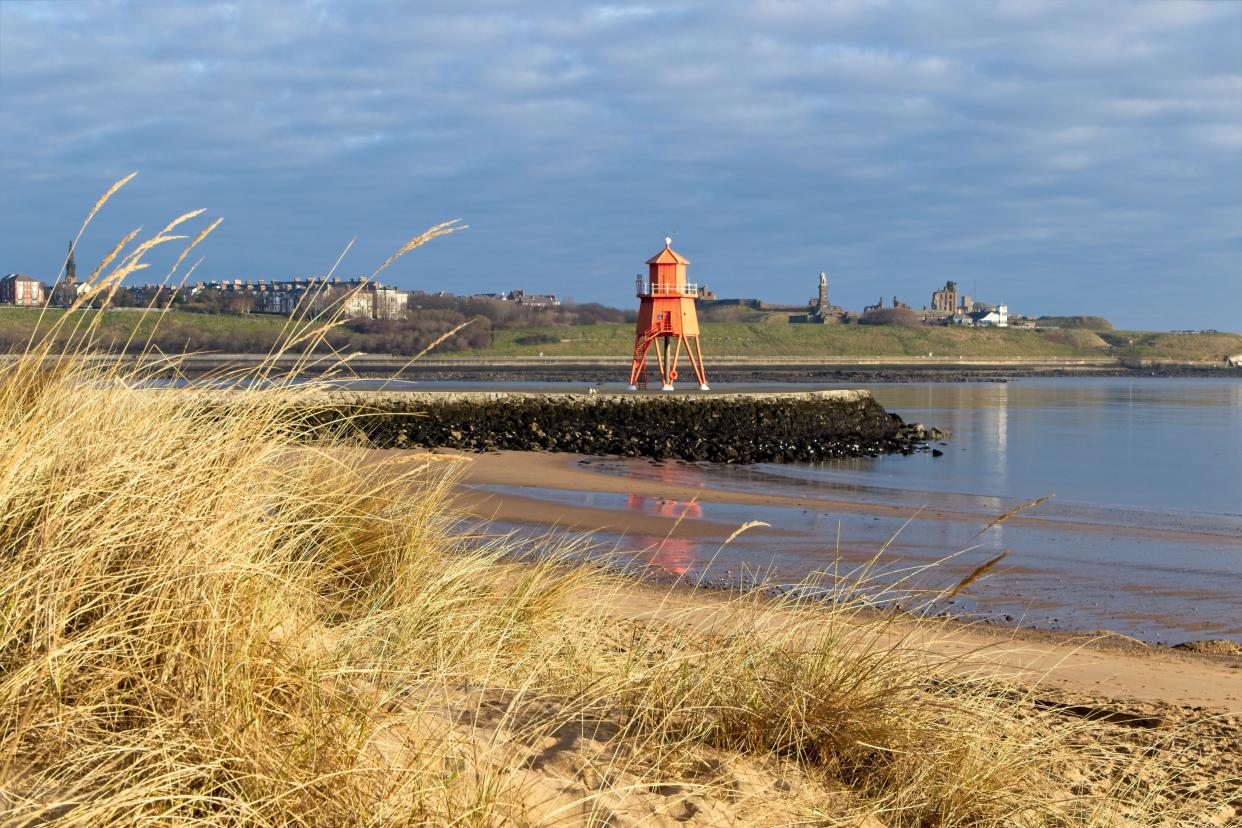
(644,287)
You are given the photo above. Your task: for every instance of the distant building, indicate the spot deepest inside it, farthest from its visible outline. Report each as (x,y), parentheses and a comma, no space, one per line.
(948,307)
(998,316)
(983,316)
(66,290)
(359,298)
(945,300)
(716,301)
(534,300)
(390,302)
(819,310)
(521,297)
(22,291)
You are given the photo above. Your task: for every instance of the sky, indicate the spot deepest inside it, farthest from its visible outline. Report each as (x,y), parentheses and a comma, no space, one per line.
(1061,157)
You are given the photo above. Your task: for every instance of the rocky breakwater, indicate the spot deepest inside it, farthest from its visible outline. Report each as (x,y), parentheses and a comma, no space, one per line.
(724,428)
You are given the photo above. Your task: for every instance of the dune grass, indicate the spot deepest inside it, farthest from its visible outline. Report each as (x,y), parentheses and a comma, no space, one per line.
(216,613)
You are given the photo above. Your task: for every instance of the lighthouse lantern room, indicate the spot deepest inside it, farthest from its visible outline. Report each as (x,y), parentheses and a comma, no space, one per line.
(666,319)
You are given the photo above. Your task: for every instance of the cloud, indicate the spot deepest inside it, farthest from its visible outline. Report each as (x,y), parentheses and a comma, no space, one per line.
(1073,154)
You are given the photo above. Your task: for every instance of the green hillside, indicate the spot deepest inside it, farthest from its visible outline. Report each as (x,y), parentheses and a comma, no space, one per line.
(172,332)
(180,331)
(1149,344)
(758,340)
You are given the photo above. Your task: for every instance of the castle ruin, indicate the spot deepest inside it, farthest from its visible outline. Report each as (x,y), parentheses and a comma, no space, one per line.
(945,299)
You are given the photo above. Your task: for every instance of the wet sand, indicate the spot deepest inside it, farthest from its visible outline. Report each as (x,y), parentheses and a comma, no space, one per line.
(1086,665)
(566,472)
(1063,575)
(1137,696)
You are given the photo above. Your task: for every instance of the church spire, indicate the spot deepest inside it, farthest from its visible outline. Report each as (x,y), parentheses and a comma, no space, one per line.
(71,267)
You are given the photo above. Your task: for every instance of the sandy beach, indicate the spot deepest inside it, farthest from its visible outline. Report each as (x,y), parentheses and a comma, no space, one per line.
(1139,698)
(1093,664)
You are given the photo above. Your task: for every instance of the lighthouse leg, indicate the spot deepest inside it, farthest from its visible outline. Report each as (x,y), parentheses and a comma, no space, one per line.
(661,352)
(666,366)
(671,374)
(695,354)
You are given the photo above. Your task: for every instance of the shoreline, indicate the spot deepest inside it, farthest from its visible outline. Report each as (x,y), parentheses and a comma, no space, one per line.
(546,492)
(725,369)
(811,370)
(565,472)
(1097,664)
(1092,663)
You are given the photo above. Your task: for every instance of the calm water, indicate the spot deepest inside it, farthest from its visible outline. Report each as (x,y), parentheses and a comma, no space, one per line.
(1143,534)
(1162,444)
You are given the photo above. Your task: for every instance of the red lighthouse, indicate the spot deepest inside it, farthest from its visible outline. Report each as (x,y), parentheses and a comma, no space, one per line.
(667,318)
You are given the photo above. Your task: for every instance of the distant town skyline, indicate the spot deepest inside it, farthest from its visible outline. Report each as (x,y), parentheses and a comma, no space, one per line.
(1064,158)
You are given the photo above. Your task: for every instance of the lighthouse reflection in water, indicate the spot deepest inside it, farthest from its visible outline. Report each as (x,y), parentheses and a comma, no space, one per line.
(671,555)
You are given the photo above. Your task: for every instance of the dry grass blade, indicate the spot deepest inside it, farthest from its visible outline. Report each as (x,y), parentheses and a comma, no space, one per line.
(130,264)
(677,523)
(116,283)
(977,573)
(181,219)
(223,609)
(103,199)
(99,204)
(441,339)
(431,346)
(195,242)
(126,268)
(1012,512)
(113,253)
(752,524)
(341,257)
(141,250)
(442,229)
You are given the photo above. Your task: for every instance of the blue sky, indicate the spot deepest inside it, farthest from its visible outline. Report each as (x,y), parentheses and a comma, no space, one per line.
(1080,157)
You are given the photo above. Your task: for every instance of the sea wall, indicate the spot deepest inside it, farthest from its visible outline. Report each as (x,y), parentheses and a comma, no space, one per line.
(726,428)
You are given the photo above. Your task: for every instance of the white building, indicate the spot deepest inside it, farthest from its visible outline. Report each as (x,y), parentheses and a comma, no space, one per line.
(996,317)
(983,316)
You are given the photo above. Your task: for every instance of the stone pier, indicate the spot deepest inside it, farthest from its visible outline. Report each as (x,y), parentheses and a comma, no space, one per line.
(726,428)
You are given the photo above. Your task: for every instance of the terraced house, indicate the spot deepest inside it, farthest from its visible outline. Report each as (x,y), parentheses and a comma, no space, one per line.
(22,290)
(358,298)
